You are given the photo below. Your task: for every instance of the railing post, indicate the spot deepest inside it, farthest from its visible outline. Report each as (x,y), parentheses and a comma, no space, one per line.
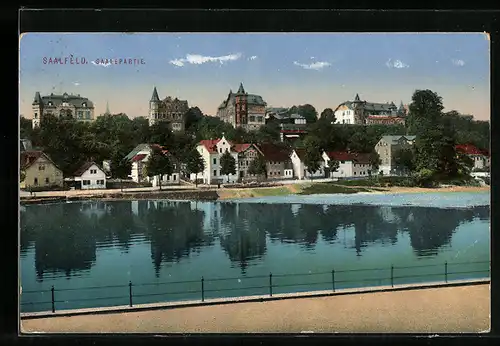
(53,300)
(333,279)
(392,275)
(446,271)
(270,284)
(202,289)
(130,292)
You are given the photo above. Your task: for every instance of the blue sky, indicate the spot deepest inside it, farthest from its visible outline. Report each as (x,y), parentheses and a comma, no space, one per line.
(285,69)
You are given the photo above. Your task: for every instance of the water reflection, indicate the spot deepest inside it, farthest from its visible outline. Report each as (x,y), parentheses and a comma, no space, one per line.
(66,236)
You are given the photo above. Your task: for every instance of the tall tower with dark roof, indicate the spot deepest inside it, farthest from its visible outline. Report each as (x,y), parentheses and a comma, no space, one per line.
(241,104)
(154,108)
(37,107)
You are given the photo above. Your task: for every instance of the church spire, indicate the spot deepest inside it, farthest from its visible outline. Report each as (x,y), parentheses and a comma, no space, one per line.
(154,97)
(357,99)
(107,108)
(241,90)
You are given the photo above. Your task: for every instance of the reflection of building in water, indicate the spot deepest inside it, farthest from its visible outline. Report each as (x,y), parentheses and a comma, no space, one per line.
(295,208)
(93,209)
(387,214)
(212,215)
(134,205)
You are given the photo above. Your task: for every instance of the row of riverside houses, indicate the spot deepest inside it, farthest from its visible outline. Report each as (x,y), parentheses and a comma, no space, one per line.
(39,172)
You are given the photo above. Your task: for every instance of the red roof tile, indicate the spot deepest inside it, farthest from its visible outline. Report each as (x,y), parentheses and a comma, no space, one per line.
(27,158)
(273,152)
(210,144)
(241,147)
(469,149)
(139,157)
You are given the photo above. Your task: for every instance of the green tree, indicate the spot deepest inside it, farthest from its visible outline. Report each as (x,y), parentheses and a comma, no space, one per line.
(308,112)
(193,116)
(404,158)
(120,167)
(312,156)
(333,165)
(374,162)
(465,164)
(158,164)
(161,133)
(22,176)
(195,164)
(228,164)
(258,166)
(329,115)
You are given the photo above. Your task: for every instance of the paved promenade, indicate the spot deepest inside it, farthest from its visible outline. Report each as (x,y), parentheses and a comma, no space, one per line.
(432,310)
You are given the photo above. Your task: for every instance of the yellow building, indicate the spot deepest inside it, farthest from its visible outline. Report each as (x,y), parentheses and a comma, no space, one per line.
(39,170)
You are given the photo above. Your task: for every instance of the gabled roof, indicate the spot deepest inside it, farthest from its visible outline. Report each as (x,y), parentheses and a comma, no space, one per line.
(210,144)
(393,140)
(469,149)
(240,147)
(241,90)
(301,153)
(272,152)
(136,150)
(83,168)
(28,158)
(339,155)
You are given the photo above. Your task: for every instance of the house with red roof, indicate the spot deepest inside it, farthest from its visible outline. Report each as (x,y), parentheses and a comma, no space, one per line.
(39,170)
(90,176)
(480,157)
(212,150)
(139,156)
(300,168)
(350,164)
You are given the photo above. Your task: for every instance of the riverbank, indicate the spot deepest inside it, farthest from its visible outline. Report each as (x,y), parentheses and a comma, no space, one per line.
(331,188)
(189,193)
(428,310)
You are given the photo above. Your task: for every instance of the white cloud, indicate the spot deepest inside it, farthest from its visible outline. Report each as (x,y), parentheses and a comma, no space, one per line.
(100,63)
(76,83)
(396,64)
(197,59)
(318,65)
(458,62)
(253,57)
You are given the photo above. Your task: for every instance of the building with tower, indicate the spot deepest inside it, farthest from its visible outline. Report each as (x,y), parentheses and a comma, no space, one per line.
(360,112)
(242,109)
(171,110)
(62,106)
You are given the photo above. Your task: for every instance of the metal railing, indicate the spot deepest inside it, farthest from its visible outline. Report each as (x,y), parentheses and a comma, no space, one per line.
(202,290)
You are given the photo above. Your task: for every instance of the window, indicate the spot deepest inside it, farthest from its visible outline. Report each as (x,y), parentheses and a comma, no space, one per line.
(41,167)
(100,182)
(215,172)
(36,181)
(220,151)
(84,105)
(168,177)
(85,182)
(252,118)
(215,161)
(246,163)
(174,177)
(36,115)
(342,161)
(46,180)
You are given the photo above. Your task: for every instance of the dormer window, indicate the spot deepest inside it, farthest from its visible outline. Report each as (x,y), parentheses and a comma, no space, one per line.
(84,104)
(50,103)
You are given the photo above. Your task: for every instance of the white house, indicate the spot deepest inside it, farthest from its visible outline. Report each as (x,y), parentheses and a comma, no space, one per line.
(300,169)
(350,164)
(480,158)
(90,176)
(139,156)
(211,150)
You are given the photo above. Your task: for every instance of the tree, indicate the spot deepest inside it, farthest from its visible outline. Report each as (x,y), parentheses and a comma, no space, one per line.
(158,164)
(312,158)
(120,167)
(22,176)
(228,164)
(308,112)
(192,116)
(404,158)
(195,164)
(329,115)
(375,161)
(333,165)
(258,166)
(425,111)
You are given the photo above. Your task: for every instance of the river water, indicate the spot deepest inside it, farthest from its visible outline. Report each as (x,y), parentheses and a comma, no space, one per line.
(90,251)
